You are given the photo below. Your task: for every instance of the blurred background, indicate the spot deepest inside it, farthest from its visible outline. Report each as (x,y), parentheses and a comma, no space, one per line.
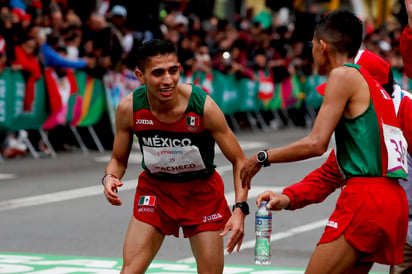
(66,64)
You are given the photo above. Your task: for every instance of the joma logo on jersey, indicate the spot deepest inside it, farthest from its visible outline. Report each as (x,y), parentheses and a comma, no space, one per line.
(212,217)
(144,122)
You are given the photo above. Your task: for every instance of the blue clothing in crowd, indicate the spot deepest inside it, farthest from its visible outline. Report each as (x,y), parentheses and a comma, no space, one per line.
(53,59)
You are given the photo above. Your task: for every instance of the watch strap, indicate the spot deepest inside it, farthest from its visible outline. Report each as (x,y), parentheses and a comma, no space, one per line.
(244,207)
(265,162)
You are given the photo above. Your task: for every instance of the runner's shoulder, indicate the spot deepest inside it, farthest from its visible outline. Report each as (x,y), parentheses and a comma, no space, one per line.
(126,104)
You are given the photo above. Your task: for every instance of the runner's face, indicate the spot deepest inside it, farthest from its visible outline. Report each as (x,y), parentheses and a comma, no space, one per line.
(161,76)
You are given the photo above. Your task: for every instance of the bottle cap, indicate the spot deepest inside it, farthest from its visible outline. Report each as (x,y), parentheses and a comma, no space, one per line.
(264,203)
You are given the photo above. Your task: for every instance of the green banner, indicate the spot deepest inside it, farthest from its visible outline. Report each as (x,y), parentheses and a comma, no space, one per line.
(247,100)
(312,98)
(6,99)
(397,76)
(87,106)
(241,95)
(225,92)
(402,79)
(12,90)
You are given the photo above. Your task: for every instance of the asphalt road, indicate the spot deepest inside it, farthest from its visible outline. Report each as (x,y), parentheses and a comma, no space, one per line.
(56,206)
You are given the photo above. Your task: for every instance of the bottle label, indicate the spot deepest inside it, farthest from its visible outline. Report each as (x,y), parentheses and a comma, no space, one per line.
(262,247)
(263,223)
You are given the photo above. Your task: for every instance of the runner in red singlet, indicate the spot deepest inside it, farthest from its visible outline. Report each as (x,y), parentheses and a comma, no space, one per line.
(177,126)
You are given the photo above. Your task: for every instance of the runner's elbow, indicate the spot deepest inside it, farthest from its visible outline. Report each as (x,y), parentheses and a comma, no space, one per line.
(318,148)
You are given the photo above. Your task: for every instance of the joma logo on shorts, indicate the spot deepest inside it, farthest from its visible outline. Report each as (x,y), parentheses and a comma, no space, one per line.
(332,224)
(212,217)
(144,122)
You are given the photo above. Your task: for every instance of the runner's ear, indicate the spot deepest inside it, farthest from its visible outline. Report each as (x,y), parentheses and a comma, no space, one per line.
(139,75)
(323,45)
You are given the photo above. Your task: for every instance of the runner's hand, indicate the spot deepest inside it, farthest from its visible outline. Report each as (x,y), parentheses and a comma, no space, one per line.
(277,201)
(249,169)
(235,224)
(110,190)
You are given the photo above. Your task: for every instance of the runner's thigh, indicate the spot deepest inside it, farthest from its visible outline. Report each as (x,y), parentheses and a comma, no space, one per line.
(140,247)
(337,256)
(406,265)
(207,247)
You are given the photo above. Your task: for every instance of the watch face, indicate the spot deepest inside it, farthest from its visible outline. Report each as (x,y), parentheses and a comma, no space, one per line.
(261,157)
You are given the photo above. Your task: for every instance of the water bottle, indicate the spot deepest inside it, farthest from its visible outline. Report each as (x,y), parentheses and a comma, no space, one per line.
(263,229)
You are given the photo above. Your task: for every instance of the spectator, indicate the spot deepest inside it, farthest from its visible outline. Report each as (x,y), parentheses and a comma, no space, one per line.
(10,30)
(233,61)
(264,77)
(26,60)
(20,4)
(239,64)
(266,91)
(185,51)
(96,35)
(121,39)
(202,59)
(72,19)
(53,59)
(22,17)
(56,17)
(73,41)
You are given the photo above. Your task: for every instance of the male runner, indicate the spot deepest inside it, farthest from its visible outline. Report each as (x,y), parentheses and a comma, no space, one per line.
(320,183)
(177,126)
(372,207)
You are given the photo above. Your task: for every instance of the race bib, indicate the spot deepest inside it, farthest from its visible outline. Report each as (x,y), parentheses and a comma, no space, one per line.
(173,160)
(396,146)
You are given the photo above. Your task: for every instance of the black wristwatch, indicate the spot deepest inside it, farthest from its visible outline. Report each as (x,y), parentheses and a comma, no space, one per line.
(262,158)
(243,206)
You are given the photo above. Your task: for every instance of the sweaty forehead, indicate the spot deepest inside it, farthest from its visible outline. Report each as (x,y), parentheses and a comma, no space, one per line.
(162,58)
(161,61)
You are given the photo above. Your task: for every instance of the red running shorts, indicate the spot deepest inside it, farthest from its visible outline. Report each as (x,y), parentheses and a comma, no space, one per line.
(198,205)
(372,214)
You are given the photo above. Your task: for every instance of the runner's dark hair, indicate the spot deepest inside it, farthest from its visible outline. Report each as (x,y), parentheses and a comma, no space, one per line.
(343,30)
(152,48)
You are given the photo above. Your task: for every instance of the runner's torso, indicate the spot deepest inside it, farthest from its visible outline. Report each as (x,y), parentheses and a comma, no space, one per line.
(360,141)
(175,152)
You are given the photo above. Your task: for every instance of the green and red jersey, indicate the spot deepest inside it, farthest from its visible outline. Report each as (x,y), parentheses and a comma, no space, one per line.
(371,144)
(177,152)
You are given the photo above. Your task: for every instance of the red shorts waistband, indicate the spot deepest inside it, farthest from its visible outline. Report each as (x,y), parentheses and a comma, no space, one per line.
(353,180)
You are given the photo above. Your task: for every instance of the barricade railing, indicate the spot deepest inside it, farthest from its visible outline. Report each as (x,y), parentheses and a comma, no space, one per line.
(79,100)
(76,102)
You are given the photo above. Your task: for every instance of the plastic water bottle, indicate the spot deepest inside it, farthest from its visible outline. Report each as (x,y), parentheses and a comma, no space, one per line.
(263,229)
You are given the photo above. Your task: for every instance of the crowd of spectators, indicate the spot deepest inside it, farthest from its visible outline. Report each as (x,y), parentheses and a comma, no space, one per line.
(38,34)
